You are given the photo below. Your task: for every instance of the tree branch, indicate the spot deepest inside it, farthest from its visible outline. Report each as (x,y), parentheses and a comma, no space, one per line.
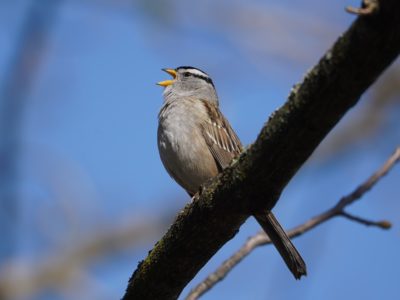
(261,239)
(255,181)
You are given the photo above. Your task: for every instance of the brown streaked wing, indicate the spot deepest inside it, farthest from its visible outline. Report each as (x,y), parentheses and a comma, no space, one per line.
(222,141)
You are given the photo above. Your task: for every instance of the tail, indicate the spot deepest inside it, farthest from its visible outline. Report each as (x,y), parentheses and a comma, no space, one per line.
(283,244)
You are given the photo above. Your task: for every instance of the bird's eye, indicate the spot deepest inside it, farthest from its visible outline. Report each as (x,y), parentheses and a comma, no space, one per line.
(186,74)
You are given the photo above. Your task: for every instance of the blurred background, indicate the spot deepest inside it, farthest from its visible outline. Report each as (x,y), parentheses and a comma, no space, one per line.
(83,194)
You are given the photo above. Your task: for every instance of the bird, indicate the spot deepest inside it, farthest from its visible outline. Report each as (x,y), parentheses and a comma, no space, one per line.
(196,142)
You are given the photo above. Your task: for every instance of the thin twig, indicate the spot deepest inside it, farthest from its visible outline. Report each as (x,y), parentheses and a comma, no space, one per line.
(261,238)
(369,7)
(381,224)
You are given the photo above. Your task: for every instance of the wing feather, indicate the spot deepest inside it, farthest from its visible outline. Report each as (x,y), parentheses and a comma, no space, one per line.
(222,141)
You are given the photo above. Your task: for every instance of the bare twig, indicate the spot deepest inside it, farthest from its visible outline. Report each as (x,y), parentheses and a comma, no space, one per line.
(261,238)
(369,7)
(382,224)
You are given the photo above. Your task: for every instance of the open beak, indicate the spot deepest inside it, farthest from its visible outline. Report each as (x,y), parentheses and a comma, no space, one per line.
(171,72)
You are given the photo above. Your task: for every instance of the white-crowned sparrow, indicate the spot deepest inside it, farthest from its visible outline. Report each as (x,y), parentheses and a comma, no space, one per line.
(196,142)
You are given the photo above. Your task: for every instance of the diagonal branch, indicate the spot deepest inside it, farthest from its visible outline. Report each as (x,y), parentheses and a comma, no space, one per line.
(261,239)
(255,181)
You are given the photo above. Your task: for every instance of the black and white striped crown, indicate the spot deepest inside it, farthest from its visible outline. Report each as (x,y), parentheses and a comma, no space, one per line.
(195,72)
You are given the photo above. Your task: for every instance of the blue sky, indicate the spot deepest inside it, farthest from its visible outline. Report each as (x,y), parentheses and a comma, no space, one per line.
(88,157)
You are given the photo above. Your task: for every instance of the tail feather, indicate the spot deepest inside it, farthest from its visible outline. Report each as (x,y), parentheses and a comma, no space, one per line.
(281,241)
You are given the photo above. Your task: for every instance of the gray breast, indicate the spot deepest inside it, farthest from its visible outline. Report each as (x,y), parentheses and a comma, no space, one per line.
(181,144)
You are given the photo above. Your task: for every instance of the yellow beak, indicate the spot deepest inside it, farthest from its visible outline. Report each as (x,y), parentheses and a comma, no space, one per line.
(171,72)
